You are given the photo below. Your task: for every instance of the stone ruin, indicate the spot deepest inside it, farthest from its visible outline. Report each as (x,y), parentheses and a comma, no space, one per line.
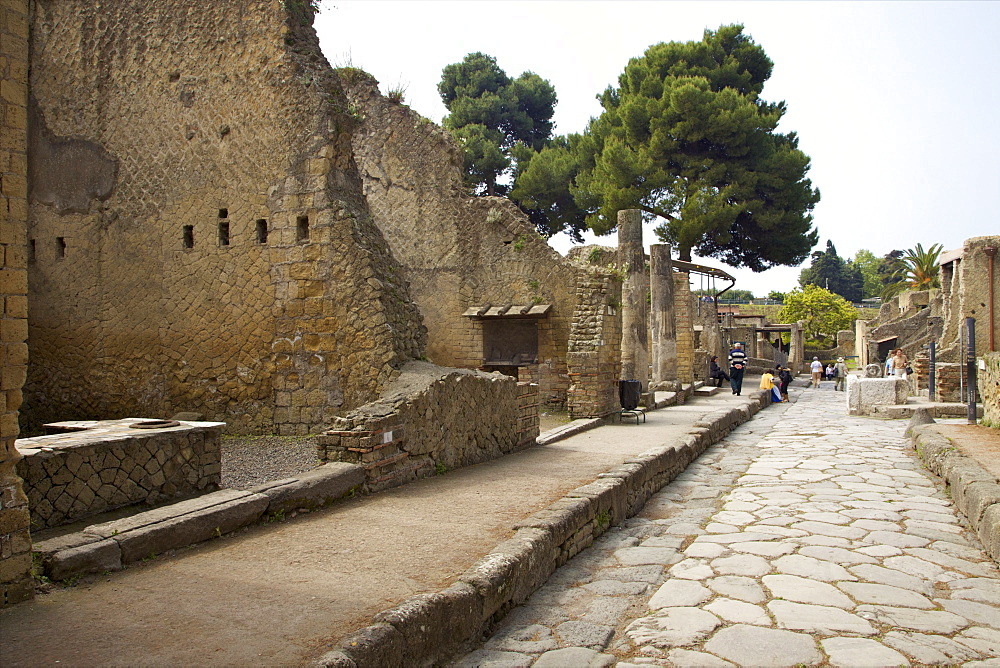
(208,218)
(969,289)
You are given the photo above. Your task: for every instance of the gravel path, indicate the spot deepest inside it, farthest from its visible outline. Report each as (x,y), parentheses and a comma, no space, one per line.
(252,460)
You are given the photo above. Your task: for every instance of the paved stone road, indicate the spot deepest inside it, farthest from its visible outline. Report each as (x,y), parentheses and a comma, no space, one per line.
(805,537)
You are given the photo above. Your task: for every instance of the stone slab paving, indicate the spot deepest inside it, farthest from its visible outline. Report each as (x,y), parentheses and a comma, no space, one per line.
(806,537)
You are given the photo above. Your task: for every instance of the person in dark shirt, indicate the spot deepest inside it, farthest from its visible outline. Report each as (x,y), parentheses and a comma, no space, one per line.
(785,378)
(716,372)
(737,365)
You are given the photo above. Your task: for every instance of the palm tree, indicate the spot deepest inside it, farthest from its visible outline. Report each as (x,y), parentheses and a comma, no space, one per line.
(920,271)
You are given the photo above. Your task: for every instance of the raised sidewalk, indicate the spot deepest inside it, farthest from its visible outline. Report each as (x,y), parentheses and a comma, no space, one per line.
(432,564)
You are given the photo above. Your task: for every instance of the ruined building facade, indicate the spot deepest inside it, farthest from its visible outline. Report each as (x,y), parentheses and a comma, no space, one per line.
(198,239)
(204,216)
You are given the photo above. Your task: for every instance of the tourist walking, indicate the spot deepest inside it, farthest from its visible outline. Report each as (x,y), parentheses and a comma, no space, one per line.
(737,365)
(715,371)
(900,364)
(840,375)
(817,371)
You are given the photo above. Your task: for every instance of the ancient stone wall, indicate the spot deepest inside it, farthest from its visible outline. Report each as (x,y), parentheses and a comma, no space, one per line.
(456,251)
(100,466)
(595,346)
(200,237)
(988,381)
(966,288)
(15,541)
(430,420)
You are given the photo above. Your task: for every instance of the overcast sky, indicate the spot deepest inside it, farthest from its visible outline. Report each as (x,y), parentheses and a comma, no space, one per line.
(896,103)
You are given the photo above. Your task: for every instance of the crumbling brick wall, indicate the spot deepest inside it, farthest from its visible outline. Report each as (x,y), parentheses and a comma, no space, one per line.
(201,239)
(15,540)
(457,251)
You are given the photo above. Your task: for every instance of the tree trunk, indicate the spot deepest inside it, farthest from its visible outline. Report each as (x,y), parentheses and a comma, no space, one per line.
(684,254)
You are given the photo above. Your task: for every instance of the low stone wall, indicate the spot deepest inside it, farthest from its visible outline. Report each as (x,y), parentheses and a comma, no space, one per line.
(96,466)
(989,389)
(429,629)
(864,394)
(975,492)
(432,419)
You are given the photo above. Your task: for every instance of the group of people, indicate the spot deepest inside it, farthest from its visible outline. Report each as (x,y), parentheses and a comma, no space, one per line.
(737,367)
(779,380)
(835,372)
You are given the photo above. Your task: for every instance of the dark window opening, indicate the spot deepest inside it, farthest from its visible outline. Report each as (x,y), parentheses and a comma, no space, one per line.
(302,228)
(223,213)
(262,231)
(510,342)
(189,236)
(60,247)
(31,250)
(223,234)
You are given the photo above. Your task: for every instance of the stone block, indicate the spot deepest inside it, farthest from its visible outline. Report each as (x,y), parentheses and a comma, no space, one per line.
(182,523)
(608,495)
(978,496)
(989,531)
(561,519)
(96,557)
(435,625)
(864,394)
(312,489)
(376,645)
(512,570)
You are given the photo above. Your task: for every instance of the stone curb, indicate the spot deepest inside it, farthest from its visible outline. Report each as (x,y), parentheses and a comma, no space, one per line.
(428,629)
(976,492)
(572,429)
(112,545)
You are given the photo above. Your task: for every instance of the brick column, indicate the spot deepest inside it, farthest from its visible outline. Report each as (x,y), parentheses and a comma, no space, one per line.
(685,328)
(15,539)
(635,311)
(662,325)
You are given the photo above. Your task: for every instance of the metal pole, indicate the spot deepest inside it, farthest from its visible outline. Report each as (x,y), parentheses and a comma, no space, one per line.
(970,363)
(931,375)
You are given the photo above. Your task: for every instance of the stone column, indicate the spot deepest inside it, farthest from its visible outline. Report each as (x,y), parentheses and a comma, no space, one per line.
(685,328)
(797,351)
(662,325)
(861,342)
(635,312)
(15,539)
(764,350)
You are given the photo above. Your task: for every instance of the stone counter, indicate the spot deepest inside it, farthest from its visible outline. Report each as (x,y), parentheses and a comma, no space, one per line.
(95,466)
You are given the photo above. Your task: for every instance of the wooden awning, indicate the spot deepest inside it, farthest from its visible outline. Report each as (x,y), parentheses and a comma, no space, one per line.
(508,311)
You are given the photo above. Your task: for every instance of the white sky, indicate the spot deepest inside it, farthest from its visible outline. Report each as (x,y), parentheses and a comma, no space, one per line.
(896,103)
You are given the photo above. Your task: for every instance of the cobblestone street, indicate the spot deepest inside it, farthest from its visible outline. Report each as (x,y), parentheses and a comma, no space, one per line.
(805,537)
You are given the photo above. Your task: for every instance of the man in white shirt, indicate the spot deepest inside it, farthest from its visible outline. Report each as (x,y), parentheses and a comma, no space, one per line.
(817,371)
